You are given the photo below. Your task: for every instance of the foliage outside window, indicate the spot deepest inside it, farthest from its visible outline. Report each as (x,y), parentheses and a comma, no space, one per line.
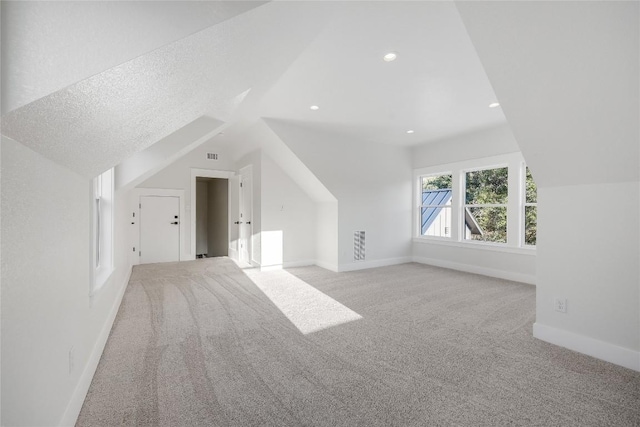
(530,209)
(485,208)
(435,207)
(483,203)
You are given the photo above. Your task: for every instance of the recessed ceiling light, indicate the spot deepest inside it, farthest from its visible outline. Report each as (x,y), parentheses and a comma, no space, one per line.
(494,105)
(391,56)
(410,131)
(314,107)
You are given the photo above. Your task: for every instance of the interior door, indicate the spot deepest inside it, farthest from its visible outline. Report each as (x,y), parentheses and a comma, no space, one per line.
(246,208)
(159,229)
(234,215)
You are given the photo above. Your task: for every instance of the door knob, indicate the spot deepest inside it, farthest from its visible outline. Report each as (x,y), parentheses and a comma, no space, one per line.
(248,222)
(238,222)
(175,223)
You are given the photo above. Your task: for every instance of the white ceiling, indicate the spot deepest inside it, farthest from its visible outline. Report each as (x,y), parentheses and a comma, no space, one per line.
(49,45)
(436,86)
(272,61)
(98,122)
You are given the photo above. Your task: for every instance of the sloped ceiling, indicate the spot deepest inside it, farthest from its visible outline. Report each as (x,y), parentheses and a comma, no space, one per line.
(568,77)
(435,87)
(94,124)
(49,45)
(271,61)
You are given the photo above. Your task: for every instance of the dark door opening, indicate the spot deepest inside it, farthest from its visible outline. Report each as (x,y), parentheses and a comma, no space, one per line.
(212,217)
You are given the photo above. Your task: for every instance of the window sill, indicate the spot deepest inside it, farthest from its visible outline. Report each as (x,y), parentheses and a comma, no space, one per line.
(102,276)
(476,245)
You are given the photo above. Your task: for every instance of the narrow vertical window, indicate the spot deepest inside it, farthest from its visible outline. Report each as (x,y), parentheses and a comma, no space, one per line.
(97,214)
(435,205)
(530,209)
(485,207)
(102,206)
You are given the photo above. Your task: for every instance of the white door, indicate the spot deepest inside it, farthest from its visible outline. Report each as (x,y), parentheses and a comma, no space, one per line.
(246,205)
(159,229)
(234,216)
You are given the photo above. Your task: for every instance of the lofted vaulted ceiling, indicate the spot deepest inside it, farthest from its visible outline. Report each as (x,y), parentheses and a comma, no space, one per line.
(250,61)
(436,86)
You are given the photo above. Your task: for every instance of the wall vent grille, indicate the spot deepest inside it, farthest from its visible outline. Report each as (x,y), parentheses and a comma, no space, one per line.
(358,245)
(212,156)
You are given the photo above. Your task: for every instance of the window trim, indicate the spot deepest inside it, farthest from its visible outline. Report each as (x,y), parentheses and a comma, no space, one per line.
(102,230)
(524,204)
(463,176)
(515,202)
(421,206)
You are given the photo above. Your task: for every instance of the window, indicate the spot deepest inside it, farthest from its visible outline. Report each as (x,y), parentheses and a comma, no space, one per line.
(489,202)
(102,211)
(435,205)
(530,209)
(485,208)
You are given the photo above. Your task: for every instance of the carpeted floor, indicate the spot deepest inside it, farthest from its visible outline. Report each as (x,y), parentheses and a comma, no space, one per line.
(200,343)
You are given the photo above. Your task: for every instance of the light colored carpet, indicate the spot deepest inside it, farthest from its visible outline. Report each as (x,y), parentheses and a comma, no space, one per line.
(199,343)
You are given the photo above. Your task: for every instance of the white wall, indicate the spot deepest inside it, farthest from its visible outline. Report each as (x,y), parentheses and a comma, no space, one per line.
(287,209)
(177,176)
(512,264)
(566,75)
(46,308)
(144,164)
(593,263)
(475,145)
(372,183)
(260,136)
(520,267)
(327,235)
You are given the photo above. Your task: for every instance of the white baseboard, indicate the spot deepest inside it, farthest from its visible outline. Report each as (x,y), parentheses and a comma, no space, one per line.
(287,264)
(80,393)
(592,347)
(233,254)
(327,266)
(485,271)
(302,263)
(362,265)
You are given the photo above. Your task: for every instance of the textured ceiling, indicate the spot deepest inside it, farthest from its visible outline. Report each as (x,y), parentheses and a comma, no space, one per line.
(95,124)
(49,45)
(272,61)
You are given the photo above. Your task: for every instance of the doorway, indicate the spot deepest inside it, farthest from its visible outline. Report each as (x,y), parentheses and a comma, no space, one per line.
(245,232)
(212,217)
(159,229)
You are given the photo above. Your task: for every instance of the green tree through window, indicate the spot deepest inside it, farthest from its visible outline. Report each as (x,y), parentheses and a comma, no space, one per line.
(530,209)
(486,194)
(437,182)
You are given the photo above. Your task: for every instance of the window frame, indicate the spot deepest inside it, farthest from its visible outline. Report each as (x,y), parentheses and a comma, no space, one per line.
(102,230)
(465,206)
(526,204)
(421,206)
(515,202)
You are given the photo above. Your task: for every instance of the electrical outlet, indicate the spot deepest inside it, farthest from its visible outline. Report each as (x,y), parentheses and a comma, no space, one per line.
(560,305)
(71,360)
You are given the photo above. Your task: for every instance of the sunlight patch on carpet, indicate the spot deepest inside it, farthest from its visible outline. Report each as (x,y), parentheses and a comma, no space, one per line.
(306,307)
